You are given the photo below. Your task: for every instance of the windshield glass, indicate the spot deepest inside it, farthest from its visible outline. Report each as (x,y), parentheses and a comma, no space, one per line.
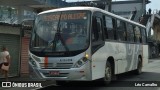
(61,31)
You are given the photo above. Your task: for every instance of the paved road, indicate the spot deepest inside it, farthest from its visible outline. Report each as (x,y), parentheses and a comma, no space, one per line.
(127,81)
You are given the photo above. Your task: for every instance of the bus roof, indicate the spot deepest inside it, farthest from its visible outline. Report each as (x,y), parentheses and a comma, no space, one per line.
(92,9)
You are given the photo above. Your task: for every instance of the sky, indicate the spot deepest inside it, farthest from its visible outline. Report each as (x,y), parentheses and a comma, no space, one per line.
(153,5)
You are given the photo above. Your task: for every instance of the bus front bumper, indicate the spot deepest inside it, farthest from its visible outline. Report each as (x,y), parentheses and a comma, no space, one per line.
(74,74)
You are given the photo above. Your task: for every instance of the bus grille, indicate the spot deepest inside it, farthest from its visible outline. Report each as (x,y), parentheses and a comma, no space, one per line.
(56,65)
(60,75)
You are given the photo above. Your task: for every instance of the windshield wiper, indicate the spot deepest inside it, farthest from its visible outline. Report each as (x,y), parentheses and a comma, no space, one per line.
(57,37)
(62,41)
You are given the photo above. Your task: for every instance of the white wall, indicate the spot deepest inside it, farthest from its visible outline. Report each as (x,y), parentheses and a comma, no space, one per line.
(126,7)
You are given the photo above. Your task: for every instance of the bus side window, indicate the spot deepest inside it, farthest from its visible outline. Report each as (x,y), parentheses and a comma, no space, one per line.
(130,33)
(97,29)
(121,31)
(138,34)
(105,28)
(144,36)
(97,36)
(106,33)
(109,27)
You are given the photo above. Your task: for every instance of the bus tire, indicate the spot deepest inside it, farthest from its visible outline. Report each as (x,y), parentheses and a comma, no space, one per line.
(108,73)
(139,67)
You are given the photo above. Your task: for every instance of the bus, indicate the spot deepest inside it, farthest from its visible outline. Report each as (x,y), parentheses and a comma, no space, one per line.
(85,44)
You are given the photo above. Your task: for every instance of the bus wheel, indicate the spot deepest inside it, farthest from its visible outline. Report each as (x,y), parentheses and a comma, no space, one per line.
(139,67)
(108,73)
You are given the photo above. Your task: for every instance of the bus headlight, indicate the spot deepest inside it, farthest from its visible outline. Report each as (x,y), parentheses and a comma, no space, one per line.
(32,62)
(81,62)
(36,58)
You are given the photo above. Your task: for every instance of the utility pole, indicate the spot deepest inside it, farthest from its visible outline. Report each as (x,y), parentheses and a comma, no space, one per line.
(144,7)
(108,5)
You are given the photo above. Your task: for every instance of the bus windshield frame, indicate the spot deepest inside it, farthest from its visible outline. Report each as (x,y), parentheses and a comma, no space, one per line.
(63,33)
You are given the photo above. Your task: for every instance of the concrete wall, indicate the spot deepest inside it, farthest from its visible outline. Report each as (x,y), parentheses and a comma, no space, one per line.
(156,32)
(8,29)
(126,7)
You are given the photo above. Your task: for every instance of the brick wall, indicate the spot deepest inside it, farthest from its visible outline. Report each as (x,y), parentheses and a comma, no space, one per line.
(24,55)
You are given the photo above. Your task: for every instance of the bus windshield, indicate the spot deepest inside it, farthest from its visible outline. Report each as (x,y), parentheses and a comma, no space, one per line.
(61,31)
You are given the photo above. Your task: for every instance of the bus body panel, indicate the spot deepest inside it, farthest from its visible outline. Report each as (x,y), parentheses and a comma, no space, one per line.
(125,58)
(133,52)
(145,55)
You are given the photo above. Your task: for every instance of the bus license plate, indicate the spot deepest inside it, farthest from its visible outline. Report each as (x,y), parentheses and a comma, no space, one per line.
(54,73)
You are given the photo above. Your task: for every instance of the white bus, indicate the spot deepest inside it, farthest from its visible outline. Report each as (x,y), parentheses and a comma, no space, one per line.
(84,44)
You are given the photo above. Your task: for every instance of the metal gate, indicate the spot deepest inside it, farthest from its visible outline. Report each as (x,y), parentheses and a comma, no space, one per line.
(12,42)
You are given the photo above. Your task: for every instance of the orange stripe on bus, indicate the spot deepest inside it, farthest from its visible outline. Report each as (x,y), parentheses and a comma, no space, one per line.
(46,62)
